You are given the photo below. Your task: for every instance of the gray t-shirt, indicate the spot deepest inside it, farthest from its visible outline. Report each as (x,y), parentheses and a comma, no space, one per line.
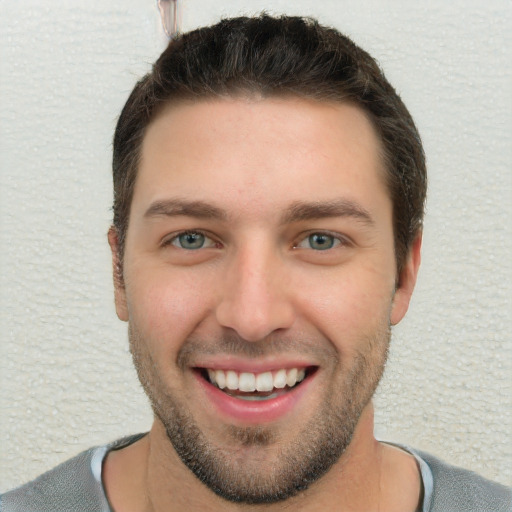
(76,486)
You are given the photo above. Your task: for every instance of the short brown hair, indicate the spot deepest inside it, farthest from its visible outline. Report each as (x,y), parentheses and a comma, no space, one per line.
(271,57)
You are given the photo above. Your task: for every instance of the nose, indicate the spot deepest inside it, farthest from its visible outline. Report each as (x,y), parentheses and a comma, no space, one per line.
(255,299)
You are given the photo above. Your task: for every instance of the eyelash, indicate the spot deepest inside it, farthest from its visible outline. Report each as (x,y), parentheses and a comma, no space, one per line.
(175,237)
(338,240)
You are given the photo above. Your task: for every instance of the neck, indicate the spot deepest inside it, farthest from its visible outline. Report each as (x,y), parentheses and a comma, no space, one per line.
(148,475)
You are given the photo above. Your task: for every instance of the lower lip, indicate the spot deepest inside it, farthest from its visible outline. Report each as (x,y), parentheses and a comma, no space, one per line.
(250,411)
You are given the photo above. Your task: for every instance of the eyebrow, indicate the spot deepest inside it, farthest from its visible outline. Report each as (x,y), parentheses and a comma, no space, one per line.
(300,211)
(176,207)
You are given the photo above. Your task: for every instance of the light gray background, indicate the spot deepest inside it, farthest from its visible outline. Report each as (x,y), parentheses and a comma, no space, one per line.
(66,69)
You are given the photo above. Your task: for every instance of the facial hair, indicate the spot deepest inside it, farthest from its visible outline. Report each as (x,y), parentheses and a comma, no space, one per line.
(259,467)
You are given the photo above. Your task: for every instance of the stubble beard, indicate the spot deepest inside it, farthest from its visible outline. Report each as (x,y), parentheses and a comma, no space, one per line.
(257,468)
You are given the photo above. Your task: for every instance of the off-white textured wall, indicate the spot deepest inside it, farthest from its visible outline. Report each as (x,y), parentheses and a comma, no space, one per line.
(65,71)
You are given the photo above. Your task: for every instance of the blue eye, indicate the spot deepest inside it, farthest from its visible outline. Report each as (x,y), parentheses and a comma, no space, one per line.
(319,242)
(190,240)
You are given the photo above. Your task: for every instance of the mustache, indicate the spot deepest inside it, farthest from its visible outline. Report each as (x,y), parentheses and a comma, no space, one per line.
(275,344)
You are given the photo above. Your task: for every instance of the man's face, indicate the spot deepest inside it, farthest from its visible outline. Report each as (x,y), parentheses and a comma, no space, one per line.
(259,253)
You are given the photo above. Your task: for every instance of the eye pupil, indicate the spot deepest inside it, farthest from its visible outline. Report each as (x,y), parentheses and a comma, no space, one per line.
(192,240)
(321,242)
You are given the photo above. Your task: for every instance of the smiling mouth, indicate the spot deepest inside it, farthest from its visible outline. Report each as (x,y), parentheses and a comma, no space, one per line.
(256,386)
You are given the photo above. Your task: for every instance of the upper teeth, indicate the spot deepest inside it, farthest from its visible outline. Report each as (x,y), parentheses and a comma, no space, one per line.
(248,382)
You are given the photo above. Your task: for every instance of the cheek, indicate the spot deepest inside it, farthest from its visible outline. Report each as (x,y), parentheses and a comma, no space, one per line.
(165,305)
(349,306)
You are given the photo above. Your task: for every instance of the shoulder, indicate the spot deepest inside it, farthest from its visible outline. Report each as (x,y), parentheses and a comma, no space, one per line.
(66,487)
(74,485)
(459,490)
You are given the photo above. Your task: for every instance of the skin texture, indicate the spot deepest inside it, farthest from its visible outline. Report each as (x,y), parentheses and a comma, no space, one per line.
(257,178)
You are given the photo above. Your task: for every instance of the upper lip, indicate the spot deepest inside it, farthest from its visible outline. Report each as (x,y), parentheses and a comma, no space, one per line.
(252,365)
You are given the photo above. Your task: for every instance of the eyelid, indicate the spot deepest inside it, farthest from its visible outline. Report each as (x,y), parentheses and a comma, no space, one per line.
(214,242)
(172,237)
(344,241)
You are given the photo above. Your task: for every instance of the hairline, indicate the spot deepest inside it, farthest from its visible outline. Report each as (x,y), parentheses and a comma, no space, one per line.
(253,93)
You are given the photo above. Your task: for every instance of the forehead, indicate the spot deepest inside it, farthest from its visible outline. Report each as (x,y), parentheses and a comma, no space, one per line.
(256,154)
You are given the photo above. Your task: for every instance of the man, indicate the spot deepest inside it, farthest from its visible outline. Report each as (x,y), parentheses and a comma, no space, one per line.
(269,187)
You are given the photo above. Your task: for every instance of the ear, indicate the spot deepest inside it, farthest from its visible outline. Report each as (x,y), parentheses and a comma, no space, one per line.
(119,288)
(407,280)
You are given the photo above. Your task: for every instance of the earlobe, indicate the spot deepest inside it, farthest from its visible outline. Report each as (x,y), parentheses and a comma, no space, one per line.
(117,270)
(407,281)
